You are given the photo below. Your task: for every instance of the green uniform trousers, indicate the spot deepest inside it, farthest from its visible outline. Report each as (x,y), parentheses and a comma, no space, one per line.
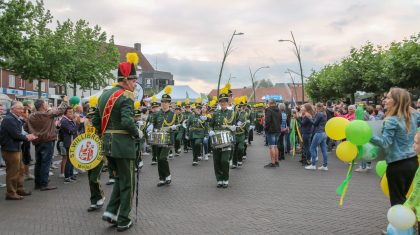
(96,192)
(122,193)
(197,146)
(110,169)
(221,163)
(239,149)
(162,160)
(178,140)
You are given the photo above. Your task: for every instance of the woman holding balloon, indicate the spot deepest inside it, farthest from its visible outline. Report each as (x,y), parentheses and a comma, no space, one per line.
(397,140)
(305,123)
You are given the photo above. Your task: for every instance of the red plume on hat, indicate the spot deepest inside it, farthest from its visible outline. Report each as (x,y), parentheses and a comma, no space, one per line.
(125,69)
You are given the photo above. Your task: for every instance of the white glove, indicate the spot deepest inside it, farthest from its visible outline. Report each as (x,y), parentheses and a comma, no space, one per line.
(247,121)
(211,133)
(141,123)
(173,127)
(239,123)
(150,128)
(203,118)
(187,137)
(252,127)
(232,128)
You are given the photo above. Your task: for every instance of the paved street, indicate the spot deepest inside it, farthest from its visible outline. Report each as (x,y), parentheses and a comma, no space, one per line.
(285,200)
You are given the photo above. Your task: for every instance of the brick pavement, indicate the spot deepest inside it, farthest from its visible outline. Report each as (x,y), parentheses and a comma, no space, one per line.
(285,200)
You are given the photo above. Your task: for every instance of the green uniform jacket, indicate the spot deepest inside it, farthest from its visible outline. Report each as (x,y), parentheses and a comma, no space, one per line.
(163,121)
(117,145)
(221,118)
(196,128)
(180,130)
(241,116)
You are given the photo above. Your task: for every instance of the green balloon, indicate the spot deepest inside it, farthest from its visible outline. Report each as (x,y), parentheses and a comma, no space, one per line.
(360,153)
(370,152)
(381,168)
(75,100)
(358,132)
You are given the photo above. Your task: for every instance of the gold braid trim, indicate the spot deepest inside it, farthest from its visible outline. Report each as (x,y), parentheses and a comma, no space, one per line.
(228,122)
(165,123)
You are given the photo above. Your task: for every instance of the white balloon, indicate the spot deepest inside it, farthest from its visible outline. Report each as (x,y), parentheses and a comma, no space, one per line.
(401,217)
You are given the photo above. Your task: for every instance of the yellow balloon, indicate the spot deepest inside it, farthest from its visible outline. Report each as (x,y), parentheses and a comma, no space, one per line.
(346,151)
(336,128)
(385,189)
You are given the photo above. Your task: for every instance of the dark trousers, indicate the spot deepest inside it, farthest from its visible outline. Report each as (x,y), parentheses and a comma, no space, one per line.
(400,175)
(221,163)
(162,161)
(239,149)
(280,146)
(123,190)
(96,192)
(26,152)
(306,153)
(68,169)
(43,156)
(197,146)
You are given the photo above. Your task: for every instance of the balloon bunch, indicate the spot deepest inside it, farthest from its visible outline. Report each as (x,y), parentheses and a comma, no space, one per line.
(356,146)
(74,101)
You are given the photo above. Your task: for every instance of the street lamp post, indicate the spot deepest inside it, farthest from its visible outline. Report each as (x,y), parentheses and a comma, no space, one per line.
(293,41)
(226,53)
(293,81)
(253,77)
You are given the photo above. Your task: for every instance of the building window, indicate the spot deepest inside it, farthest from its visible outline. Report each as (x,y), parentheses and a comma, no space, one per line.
(21,83)
(12,80)
(36,85)
(148,82)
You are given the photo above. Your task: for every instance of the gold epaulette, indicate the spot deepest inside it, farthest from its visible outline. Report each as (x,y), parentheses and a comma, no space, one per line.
(129,95)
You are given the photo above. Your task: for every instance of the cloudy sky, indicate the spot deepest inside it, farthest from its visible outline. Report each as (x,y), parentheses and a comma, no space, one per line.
(186,37)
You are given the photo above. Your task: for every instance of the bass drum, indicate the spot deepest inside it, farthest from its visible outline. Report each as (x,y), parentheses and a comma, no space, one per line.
(159,138)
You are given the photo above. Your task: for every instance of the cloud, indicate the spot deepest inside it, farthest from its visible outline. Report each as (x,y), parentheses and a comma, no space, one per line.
(187,36)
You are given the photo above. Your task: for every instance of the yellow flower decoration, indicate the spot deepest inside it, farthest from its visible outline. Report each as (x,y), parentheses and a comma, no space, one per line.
(154,98)
(227,86)
(224,90)
(198,100)
(132,58)
(187,101)
(214,97)
(179,103)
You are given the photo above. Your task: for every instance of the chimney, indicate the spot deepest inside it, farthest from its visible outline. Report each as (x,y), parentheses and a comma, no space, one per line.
(137,46)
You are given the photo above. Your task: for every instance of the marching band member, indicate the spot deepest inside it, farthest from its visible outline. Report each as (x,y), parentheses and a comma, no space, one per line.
(223,120)
(97,197)
(155,108)
(196,131)
(113,120)
(242,123)
(180,131)
(164,120)
(140,126)
(187,114)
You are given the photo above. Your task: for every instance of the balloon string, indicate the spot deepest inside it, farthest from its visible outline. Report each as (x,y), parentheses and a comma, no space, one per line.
(345,184)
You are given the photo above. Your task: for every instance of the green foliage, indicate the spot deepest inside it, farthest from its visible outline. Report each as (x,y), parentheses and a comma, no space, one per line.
(370,69)
(263,83)
(72,53)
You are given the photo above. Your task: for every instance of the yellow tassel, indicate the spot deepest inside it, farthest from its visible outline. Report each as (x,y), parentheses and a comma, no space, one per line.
(114,83)
(93,101)
(168,90)
(198,100)
(187,101)
(154,98)
(236,101)
(214,97)
(132,58)
(193,106)
(137,104)
(212,103)
(179,103)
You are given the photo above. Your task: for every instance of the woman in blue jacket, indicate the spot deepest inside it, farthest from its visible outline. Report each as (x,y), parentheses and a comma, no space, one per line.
(397,139)
(305,124)
(68,131)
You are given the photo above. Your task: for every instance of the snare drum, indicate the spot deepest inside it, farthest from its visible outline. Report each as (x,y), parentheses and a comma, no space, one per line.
(221,139)
(159,138)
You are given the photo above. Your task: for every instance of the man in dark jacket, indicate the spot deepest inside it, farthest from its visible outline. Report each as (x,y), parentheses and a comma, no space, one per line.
(273,128)
(11,137)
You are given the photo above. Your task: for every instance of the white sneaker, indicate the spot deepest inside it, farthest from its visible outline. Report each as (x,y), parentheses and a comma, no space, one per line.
(101,202)
(244,158)
(239,163)
(2,185)
(53,166)
(145,154)
(199,158)
(141,164)
(168,178)
(29,177)
(360,169)
(323,168)
(206,157)
(75,172)
(61,176)
(153,163)
(195,163)
(368,167)
(50,174)
(310,167)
